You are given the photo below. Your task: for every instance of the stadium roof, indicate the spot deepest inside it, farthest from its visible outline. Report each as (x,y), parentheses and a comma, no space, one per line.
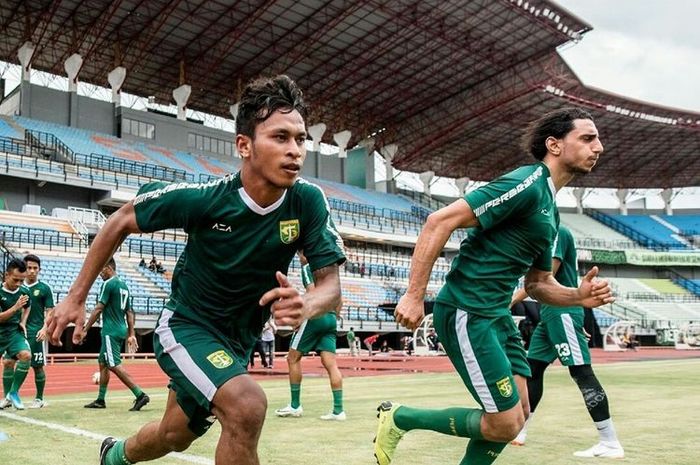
(449,81)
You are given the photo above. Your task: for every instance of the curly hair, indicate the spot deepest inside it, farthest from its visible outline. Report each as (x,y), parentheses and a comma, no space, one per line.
(557,124)
(262,97)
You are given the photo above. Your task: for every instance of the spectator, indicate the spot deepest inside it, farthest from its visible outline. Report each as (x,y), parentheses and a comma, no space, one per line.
(268,341)
(407,344)
(369,341)
(142,263)
(259,349)
(629,340)
(153,264)
(384,348)
(352,342)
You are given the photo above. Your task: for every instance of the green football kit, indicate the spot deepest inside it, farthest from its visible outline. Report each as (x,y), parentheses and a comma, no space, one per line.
(114,296)
(318,334)
(518,222)
(212,318)
(560,332)
(42,299)
(12,339)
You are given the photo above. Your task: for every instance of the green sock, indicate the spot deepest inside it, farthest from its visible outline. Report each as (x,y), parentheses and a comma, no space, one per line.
(296,394)
(455,421)
(116,455)
(40,381)
(21,371)
(7,375)
(337,401)
(136,391)
(481,452)
(103,392)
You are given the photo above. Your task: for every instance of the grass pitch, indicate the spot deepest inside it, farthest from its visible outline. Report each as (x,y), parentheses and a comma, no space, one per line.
(654,406)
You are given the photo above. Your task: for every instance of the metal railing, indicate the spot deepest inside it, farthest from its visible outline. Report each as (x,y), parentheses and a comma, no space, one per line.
(53,240)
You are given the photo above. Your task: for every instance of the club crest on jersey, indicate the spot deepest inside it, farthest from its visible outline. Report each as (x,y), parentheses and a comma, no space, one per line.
(505,387)
(289,231)
(220,359)
(36,292)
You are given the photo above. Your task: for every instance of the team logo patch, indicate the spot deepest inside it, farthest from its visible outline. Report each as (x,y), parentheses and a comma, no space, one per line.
(289,231)
(505,387)
(220,359)
(36,292)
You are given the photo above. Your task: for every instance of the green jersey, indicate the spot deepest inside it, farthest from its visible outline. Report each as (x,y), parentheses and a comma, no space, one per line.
(518,221)
(114,295)
(235,246)
(306,277)
(567,275)
(42,300)
(7,300)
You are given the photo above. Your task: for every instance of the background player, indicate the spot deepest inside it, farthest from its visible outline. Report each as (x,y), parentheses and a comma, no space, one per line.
(14,297)
(560,334)
(114,305)
(319,335)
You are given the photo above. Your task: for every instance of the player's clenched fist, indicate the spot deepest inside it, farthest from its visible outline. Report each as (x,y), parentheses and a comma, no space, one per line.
(409,312)
(288,307)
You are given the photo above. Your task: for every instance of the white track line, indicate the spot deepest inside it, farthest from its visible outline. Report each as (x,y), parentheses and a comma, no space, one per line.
(96,436)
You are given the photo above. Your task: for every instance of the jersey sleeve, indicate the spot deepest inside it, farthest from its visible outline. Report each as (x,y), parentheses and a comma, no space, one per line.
(162,206)
(48,298)
(513,195)
(544,260)
(322,243)
(306,276)
(103,297)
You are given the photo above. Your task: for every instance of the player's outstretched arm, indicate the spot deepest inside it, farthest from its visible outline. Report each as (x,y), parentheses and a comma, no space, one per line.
(592,292)
(432,239)
(72,309)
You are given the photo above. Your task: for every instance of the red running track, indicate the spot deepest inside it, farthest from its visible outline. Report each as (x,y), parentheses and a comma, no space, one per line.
(63,378)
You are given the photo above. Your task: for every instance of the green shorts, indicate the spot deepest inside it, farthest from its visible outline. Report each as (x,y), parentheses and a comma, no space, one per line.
(486,352)
(198,361)
(12,343)
(318,335)
(110,350)
(560,335)
(37,348)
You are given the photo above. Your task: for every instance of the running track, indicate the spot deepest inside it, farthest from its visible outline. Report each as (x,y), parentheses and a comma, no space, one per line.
(63,378)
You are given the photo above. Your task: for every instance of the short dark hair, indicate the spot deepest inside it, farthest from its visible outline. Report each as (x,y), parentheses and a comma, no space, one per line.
(111,263)
(557,124)
(262,97)
(16,264)
(32,258)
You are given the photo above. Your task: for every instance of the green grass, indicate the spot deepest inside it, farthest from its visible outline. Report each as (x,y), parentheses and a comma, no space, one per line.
(654,406)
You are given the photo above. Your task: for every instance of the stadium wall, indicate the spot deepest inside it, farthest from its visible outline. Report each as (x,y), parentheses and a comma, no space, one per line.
(17,192)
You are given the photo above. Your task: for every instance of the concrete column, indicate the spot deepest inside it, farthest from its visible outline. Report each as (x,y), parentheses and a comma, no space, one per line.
(622,197)
(342,138)
(24,54)
(72,66)
(462,184)
(233,109)
(579,193)
(667,196)
(181,95)
(116,79)
(389,152)
(316,132)
(425,177)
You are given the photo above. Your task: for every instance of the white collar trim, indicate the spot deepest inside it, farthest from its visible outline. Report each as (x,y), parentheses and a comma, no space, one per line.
(552,187)
(250,203)
(11,292)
